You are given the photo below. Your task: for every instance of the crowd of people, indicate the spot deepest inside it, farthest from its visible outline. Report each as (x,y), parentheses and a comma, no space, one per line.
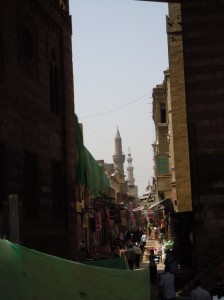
(132,247)
(133,259)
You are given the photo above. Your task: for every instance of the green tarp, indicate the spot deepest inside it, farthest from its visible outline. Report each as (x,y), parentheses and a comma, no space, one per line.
(89,173)
(26,274)
(115,263)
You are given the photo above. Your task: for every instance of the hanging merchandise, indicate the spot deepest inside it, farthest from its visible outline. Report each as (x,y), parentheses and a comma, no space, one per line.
(107,217)
(78,207)
(79,199)
(123,217)
(150,215)
(131,213)
(98,221)
(85,220)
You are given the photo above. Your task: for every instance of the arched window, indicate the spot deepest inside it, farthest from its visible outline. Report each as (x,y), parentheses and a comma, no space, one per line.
(54,84)
(31,186)
(3,193)
(28,46)
(57,190)
(1,57)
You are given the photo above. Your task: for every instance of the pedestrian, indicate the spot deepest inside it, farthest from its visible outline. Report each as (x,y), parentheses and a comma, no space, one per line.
(217,290)
(167,285)
(82,255)
(143,241)
(127,236)
(130,256)
(140,233)
(152,267)
(141,246)
(199,293)
(160,237)
(116,252)
(149,227)
(138,253)
(171,262)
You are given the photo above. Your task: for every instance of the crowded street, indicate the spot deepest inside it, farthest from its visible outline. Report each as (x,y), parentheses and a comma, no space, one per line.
(111,150)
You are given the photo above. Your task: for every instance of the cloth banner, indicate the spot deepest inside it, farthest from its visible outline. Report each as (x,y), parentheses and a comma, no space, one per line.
(28,274)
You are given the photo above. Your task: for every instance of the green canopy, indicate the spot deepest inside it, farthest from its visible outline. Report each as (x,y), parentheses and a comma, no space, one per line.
(90,174)
(31,275)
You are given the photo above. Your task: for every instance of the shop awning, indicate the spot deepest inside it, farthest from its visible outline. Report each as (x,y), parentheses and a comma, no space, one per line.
(138,208)
(156,204)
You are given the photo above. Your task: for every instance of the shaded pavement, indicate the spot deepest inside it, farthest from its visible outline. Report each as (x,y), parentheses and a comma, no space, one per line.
(150,244)
(160,269)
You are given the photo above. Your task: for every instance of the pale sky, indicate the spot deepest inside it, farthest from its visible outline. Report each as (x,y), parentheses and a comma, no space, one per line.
(119,56)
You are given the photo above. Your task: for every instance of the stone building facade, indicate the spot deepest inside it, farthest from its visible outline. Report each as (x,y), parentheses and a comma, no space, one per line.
(197,82)
(203,44)
(37,139)
(177,109)
(161,147)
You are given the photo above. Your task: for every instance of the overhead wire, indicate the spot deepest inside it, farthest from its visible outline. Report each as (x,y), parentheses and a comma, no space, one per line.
(112,110)
(117,108)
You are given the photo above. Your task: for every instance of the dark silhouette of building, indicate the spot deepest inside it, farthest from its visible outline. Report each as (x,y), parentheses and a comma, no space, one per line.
(202,24)
(37,138)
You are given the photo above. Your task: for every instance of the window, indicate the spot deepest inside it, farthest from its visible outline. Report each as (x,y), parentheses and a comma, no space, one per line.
(54,84)
(3,193)
(27,40)
(27,45)
(58,205)
(31,186)
(162,113)
(1,57)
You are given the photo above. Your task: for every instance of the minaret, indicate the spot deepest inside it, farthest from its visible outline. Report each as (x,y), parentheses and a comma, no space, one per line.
(131,179)
(118,156)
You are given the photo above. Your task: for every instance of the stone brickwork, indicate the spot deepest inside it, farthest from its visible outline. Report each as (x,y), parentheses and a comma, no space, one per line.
(161,146)
(178,110)
(37,122)
(173,195)
(196,74)
(203,43)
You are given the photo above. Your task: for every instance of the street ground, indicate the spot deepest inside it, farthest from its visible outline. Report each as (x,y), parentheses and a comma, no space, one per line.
(145,264)
(160,269)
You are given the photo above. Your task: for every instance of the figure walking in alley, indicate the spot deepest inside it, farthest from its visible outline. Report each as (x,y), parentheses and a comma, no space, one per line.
(130,256)
(199,293)
(217,290)
(149,227)
(138,253)
(143,241)
(82,255)
(171,261)
(167,285)
(152,267)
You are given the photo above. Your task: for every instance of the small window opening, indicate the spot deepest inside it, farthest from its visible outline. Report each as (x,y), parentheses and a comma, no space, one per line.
(31,186)
(163,113)
(54,85)
(58,205)
(27,43)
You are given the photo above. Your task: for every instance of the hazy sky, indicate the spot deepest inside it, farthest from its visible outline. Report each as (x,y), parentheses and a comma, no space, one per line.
(119,55)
